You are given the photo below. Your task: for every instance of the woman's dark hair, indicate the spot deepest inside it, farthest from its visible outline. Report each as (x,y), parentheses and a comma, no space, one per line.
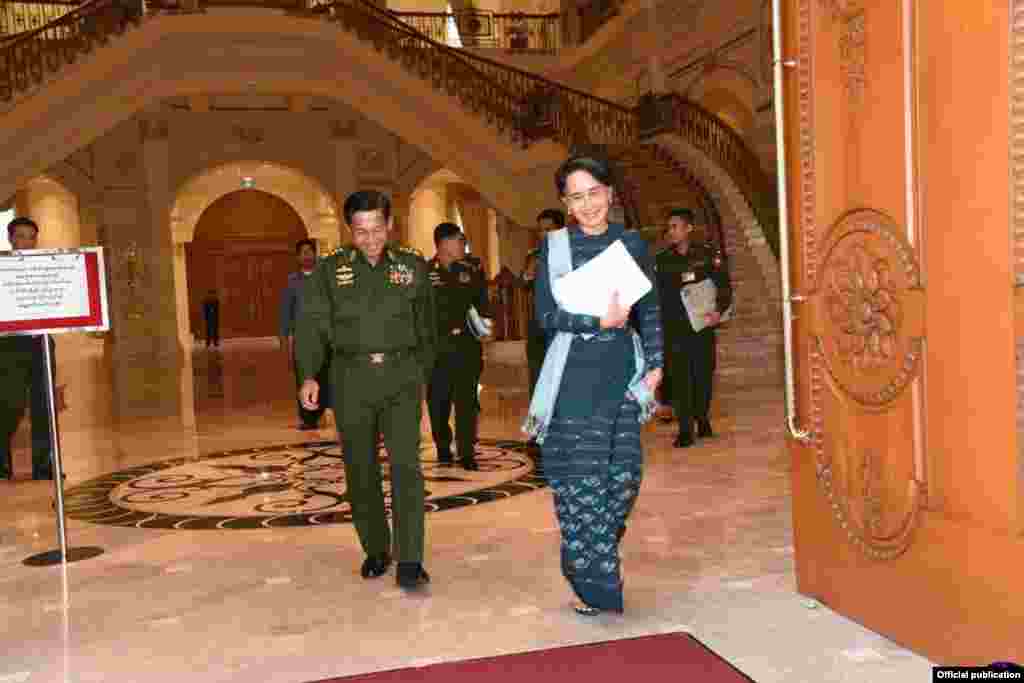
(553,215)
(598,168)
(305,243)
(367,200)
(21,220)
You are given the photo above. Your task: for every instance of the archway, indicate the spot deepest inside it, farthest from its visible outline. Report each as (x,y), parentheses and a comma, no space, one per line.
(444,196)
(305,196)
(243,249)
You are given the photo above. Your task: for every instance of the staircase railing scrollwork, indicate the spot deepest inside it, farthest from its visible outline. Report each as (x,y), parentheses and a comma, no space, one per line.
(511,31)
(527,104)
(20,17)
(26,61)
(518,103)
(726,148)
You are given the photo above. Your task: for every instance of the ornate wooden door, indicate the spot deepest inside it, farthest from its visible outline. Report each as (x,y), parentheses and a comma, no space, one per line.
(249,278)
(907,494)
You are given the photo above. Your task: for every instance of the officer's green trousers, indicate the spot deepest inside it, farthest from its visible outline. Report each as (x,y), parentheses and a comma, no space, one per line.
(387,397)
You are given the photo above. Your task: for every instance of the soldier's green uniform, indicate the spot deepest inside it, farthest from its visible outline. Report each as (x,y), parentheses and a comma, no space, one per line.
(689,355)
(379,323)
(459,362)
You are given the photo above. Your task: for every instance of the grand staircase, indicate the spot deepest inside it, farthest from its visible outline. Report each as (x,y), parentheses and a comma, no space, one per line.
(663,144)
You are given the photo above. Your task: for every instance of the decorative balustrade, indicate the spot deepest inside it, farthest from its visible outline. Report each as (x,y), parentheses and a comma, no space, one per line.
(726,148)
(520,104)
(516,31)
(27,60)
(19,17)
(524,104)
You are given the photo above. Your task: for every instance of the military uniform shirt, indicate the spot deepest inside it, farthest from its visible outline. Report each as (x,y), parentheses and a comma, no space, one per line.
(456,288)
(353,307)
(676,271)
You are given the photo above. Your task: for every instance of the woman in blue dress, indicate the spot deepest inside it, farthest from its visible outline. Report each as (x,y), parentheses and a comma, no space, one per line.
(588,418)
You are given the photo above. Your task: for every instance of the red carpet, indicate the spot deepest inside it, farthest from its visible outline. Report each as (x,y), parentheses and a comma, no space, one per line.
(668,657)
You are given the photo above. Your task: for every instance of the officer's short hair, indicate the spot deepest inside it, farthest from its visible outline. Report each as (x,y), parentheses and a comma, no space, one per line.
(21,220)
(367,200)
(686,214)
(554,215)
(305,243)
(445,230)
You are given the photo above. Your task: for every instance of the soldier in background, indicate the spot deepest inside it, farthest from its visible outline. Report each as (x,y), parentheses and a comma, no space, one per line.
(459,284)
(23,378)
(690,355)
(372,304)
(305,254)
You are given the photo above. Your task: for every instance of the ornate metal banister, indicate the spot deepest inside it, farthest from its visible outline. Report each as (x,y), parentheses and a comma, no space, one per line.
(19,17)
(513,31)
(726,148)
(26,60)
(532,105)
(518,103)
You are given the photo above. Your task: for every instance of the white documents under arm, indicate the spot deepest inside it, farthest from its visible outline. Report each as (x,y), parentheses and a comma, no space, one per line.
(588,289)
(700,299)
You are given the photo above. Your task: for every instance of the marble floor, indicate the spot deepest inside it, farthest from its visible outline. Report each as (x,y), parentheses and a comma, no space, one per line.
(709,550)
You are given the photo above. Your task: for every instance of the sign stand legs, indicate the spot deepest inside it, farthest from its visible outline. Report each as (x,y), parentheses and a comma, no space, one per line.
(63,554)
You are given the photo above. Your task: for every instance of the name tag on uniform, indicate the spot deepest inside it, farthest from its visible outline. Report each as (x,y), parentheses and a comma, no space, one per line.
(689,276)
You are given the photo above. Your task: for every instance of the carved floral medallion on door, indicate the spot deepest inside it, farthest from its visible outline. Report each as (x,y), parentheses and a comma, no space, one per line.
(866,316)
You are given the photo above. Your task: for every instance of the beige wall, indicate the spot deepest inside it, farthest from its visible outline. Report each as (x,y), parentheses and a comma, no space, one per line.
(55,209)
(429,207)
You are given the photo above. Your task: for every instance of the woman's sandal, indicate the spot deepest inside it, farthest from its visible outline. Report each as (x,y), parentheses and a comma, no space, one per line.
(585,609)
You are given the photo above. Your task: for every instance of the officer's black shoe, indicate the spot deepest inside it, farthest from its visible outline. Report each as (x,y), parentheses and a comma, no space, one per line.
(684,440)
(411,575)
(444,457)
(704,428)
(375,565)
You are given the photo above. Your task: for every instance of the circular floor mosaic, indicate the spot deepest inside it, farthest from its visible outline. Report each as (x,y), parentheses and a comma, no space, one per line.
(283,486)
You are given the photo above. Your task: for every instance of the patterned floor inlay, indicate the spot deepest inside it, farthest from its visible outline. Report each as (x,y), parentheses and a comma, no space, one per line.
(278,486)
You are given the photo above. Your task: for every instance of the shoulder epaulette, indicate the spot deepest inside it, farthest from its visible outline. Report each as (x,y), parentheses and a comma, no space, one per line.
(411,250)
(347,252)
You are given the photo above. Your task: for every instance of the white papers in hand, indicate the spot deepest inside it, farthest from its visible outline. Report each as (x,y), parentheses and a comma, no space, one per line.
(588,289)
(699,300)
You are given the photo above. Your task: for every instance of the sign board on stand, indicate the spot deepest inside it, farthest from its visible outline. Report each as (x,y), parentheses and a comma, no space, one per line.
(47,291)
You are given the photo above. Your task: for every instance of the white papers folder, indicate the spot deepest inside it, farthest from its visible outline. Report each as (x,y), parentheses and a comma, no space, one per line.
(701,299)
(588,289)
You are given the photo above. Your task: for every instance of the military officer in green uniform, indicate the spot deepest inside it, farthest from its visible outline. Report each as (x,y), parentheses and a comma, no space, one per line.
(372,305)
(459,283)
(690,355)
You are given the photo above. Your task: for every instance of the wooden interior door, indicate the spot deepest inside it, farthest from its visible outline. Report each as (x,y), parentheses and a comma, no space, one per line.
(907,494)
(249,278)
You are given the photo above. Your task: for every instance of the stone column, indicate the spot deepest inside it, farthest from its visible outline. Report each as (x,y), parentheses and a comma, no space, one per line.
(655,68)
(148,365)
(346,178)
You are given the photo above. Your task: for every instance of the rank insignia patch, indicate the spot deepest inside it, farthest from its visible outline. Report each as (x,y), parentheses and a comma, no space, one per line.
(344,276)
(401,274)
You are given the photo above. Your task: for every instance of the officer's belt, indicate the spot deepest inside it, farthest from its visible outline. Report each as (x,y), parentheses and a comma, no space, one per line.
(378,357)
